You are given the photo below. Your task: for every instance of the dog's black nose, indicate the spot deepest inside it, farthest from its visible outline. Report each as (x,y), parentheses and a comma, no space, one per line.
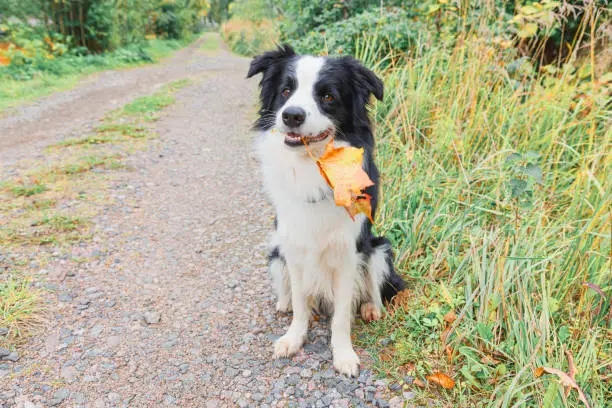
(294,116)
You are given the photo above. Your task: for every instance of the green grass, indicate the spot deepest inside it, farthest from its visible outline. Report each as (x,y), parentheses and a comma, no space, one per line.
(496,195)
(14,93)
(28,190)
(66,75)
(20,310)
(148,104)
(87,163)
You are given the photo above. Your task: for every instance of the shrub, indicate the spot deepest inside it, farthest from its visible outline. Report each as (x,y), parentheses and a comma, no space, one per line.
(393,28)
(248,37)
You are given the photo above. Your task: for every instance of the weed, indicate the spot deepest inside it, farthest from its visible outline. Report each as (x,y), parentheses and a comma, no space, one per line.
(28,190)
(20,309)
(88,163)
(148,104)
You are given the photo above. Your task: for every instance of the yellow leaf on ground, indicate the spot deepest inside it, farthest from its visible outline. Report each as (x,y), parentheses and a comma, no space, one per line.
(442,380)
(450,317)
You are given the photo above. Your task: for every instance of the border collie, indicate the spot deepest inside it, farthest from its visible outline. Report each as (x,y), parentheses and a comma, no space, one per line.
(320,257)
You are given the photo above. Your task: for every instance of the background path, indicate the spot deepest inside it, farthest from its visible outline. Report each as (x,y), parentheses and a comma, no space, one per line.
(173,307)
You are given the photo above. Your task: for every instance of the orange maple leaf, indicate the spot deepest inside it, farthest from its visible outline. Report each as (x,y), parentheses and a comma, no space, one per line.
(442,380)
(342,168)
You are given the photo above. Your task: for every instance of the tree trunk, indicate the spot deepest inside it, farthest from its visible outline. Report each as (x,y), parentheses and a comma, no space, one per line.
(82,23)
(71,26)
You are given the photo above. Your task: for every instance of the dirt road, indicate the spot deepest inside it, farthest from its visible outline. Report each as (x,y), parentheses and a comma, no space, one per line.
(171,303)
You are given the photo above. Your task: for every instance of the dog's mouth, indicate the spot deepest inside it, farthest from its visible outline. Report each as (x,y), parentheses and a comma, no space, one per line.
(296,139)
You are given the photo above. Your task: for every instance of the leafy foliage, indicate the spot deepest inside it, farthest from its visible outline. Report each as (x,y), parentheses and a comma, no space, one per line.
(62,37)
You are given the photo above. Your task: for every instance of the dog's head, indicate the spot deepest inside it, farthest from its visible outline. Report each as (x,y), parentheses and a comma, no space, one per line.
(313,97)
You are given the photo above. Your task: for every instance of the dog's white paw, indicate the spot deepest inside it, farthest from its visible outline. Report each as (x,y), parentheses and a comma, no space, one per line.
(283,306)
(346,362)
(287,346)
(369,312)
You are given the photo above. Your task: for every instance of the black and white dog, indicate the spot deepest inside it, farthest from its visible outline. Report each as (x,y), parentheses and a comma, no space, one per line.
(319,256)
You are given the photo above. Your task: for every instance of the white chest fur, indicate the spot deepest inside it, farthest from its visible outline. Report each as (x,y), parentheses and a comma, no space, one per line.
(316,236)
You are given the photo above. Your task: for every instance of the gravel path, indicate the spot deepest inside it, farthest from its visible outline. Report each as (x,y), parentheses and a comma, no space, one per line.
(174,306)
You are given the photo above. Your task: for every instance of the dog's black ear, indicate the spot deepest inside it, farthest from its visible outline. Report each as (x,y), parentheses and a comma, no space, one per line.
(366,81)
(264,61)
(369,81)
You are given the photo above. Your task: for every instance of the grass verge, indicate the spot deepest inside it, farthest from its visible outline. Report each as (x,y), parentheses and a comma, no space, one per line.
(66,72)
(496,195)
(51,204)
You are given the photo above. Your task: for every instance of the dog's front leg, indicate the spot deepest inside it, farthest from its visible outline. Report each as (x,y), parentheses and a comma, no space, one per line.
(292,341)
(345,358)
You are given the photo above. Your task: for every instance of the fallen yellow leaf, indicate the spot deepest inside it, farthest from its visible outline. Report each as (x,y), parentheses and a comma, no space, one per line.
(442,380)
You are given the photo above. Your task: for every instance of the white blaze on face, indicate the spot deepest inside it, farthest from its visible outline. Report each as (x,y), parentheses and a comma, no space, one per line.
(307,70)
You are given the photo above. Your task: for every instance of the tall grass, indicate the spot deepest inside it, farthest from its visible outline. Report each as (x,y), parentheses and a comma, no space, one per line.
(496,195)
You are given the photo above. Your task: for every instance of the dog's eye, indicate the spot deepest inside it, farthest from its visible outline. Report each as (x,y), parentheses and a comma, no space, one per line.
(327,98)
(286,92)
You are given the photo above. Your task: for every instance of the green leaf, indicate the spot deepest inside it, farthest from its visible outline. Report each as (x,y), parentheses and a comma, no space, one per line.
(584,71)
(513,157)
(533,170)
(553,305)
(484,331)
(563,334)
(518,187)
(433,8)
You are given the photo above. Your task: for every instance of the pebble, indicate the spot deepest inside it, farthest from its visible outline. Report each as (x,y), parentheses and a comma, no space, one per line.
(4,331)
(395,387)
(58,397)
(69,373)
(4,352)
(409,395)
(213,403)
(8,394)
(78,397)
(152,317)
(14,356)
(396,402)
(306,373)
(114,397)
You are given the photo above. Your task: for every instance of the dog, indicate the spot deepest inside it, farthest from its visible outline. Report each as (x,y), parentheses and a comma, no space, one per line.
(320,256)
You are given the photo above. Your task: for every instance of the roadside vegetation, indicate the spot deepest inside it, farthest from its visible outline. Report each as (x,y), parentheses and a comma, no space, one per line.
(46,45)
(493,142)
(49,205)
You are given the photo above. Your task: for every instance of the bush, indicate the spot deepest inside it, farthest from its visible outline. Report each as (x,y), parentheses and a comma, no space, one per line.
(25,66)
(246,37)
(393,28)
